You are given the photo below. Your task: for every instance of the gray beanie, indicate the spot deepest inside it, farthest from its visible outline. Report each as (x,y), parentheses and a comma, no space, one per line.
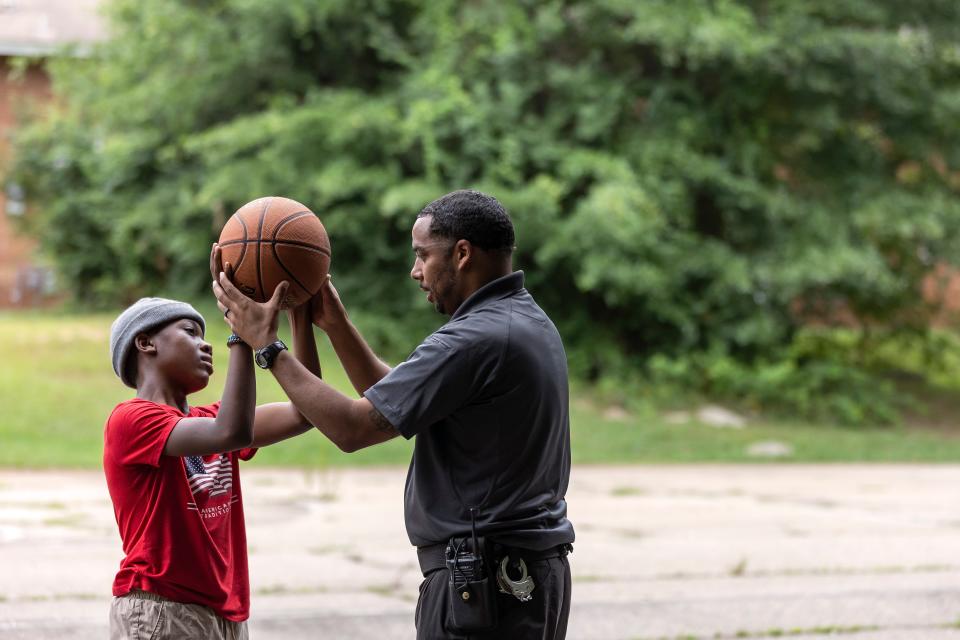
(144,315)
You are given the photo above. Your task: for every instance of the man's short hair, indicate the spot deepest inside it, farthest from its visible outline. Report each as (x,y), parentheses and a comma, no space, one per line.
(472,216)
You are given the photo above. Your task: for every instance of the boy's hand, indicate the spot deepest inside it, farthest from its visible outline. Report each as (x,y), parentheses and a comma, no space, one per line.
(326,308)
(254,322)
(301,314)
(216,264)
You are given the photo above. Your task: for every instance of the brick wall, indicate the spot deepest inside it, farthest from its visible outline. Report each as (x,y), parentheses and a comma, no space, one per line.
(23,281)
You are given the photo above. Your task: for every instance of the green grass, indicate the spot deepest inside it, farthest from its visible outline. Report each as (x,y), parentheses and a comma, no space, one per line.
(58,387)
(650,439)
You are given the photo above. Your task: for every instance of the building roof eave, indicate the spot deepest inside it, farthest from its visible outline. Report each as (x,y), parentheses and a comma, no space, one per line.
(36,50)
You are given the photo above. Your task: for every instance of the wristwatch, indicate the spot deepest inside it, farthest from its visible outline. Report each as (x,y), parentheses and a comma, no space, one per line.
(234,339)
(266,356)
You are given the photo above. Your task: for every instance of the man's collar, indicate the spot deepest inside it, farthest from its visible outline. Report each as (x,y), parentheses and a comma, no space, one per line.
(493,290)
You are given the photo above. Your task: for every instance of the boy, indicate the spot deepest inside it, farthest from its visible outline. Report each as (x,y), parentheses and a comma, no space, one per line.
(172,471)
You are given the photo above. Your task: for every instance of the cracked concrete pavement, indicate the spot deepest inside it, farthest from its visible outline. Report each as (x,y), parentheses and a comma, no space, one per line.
(871,552)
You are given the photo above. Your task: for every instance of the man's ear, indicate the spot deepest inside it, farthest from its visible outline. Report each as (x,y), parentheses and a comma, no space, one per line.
(144,343)
(463,254)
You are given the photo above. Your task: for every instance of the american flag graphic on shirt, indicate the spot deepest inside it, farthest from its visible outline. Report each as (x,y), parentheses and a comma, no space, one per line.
(214,477)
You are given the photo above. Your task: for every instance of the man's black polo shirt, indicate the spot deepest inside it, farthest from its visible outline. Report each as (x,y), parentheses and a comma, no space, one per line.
(487,397)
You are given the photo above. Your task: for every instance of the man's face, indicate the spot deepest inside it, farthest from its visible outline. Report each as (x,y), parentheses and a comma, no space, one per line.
(184,357)
(433,267)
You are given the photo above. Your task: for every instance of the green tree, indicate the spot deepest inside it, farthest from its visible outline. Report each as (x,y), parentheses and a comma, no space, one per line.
(688,178)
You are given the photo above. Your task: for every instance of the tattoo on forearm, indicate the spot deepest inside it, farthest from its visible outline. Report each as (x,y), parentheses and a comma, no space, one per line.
(381,423)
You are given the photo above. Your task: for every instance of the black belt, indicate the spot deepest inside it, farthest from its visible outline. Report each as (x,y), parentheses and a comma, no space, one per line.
(433,557)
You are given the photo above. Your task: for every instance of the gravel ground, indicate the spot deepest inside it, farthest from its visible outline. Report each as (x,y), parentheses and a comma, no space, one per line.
(866,552)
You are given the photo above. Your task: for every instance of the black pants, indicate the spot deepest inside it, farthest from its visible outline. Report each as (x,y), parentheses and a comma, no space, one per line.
(543,618)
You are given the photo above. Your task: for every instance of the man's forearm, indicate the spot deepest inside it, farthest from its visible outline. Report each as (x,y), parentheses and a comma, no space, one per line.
(362,365)
(326,408)
(349,424)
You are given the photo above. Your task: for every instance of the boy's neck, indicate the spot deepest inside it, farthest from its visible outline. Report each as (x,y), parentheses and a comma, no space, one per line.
(161,393)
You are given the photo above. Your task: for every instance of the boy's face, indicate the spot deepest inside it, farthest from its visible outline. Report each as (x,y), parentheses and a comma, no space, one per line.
(183,357)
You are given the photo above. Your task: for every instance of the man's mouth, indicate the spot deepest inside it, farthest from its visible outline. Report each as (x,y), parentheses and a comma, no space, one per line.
(208,361)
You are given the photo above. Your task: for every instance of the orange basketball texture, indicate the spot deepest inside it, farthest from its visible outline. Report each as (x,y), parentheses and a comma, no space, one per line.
(273,239)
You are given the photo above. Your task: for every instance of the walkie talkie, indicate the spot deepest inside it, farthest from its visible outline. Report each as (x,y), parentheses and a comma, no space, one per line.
(473,605)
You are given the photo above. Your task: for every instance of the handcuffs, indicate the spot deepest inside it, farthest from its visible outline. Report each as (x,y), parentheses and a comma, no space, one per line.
(521,589)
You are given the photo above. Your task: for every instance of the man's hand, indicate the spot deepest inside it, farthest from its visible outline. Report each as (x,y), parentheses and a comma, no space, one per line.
(327,310)
(254,322)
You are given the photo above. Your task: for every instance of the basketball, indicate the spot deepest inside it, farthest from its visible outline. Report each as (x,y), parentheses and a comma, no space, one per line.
(273,239)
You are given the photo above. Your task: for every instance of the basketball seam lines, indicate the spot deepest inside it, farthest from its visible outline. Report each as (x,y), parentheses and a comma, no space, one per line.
(276,256)
(287,243)
(291,218)
(296,214)
(243,250)
(263,213)
(293,277)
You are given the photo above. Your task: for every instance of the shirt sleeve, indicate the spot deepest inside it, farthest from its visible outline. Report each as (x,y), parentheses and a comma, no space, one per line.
(444,373)
(138,432)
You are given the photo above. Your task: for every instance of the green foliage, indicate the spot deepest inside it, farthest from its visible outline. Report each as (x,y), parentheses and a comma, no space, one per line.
(787,384)
(690,181)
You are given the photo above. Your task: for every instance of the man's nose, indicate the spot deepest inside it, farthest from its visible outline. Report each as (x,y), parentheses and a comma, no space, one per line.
(416,272)
(206,346)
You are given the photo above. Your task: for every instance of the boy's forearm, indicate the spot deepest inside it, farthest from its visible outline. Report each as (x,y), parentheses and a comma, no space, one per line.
(362,365)
(304,342)
(276,422)
(238,403)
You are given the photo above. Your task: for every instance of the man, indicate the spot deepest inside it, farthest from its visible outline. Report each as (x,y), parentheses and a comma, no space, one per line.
(486,396)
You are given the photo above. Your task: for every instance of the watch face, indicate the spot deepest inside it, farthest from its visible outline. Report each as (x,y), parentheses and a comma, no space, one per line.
(265,357)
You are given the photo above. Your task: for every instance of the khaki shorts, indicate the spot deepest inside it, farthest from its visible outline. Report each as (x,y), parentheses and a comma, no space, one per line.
(140,615)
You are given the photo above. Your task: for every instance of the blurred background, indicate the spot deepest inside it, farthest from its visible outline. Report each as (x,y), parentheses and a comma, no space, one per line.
(743,216)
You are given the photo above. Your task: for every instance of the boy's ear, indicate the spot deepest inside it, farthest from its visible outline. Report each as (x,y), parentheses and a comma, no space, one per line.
(144,343)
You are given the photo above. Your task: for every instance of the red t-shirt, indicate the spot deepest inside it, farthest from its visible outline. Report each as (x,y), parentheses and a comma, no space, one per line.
(180,519)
